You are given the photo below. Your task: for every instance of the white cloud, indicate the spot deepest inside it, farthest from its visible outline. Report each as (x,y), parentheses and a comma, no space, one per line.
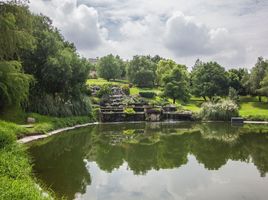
(78,23)
(185,37)
(231,32)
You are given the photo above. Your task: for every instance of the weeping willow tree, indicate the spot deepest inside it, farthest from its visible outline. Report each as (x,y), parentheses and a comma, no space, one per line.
(15,36)
(14,85)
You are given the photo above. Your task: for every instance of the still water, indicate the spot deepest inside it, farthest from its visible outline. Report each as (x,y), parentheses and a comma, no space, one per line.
(152,161)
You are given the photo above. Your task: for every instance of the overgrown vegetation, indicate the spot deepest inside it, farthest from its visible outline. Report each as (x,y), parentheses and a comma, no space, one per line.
(38,68)
(223,110)
(16,181)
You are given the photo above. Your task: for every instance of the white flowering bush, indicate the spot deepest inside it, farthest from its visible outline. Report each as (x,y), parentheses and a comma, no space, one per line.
(223,110)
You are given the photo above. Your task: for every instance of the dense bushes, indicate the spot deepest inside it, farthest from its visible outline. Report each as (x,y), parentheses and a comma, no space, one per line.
(105,90)
(125,89)
(223,110)
(55,106)
(149,95)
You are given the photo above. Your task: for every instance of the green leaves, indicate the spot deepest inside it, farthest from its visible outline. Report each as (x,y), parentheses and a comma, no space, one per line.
(209,79)
(177,84)
(15,31)
(14,85)
(141,71)
(110,67)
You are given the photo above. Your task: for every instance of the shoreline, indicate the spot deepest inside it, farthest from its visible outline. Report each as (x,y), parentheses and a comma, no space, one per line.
(32,138)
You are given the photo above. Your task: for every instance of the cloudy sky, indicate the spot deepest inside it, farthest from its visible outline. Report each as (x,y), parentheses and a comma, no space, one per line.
(232,32)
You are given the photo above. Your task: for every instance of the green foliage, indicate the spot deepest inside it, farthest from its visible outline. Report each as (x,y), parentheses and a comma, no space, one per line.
(16,181)
(60,73)
(15,30)
(56,106)
(257,75)
(15,37)
(96,114)
(141,71)
(264,86)
(125,89)
(209,79)
(6,138)
(105,90)
(223,110)
(177,84)
(129,111)
(147,94)
(14,85)
(110,67)
(235,77)
(163,68)
(233,95)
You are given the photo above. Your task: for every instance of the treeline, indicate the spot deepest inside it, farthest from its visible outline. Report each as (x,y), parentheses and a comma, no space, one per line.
(206,79)
(39,70)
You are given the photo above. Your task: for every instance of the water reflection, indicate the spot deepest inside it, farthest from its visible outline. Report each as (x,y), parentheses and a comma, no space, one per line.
(156,161)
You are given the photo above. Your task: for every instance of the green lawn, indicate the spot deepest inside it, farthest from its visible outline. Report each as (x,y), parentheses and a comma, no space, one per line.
(101,81)
(43,124)
(133,91)
(258,109)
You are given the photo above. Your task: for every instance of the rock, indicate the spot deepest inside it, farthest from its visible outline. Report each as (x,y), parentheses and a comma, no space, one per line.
(30,120)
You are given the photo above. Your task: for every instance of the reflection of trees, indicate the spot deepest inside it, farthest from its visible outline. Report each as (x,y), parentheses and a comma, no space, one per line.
(59,162)
(145,147)
(212,144)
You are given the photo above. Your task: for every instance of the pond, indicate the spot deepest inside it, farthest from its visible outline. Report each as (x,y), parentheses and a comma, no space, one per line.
(155,161)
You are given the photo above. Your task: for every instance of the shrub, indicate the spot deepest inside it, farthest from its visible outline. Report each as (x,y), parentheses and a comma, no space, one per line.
(56,106)
(149,95)
(233,95)
(96,114)
(129,111)
(104,90)
(222,110)
(125,89)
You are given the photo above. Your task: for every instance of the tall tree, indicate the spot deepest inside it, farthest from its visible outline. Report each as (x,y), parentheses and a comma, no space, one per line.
(209,79)
(109,67)
(163,68)
(235,80)
(264,86)
(141,71)
(60,73)
(176,84)
(15,37)
(257,75)
(123,67)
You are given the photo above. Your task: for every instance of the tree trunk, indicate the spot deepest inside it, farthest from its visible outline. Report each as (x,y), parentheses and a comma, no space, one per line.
(259,98)
(174,101)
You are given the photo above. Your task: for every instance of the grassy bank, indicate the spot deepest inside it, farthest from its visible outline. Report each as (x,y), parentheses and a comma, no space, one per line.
(16,180)
(43,124)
